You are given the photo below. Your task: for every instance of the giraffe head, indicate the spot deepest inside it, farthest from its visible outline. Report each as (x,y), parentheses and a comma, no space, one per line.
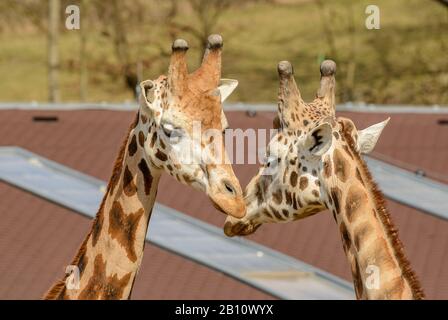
(304,154)
(181,125)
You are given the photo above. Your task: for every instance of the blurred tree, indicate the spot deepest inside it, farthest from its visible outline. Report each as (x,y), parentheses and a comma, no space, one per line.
(207,14)
(83,75)
(118,21)
(346,61)
(443,2)
(54,11)
(23,14)
(122,42)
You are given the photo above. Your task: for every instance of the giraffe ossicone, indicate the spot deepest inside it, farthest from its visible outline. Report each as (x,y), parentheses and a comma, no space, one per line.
(111,254)
(315,164)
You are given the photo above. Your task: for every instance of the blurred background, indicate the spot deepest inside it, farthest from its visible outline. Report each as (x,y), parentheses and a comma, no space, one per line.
(67,98)
(122,42)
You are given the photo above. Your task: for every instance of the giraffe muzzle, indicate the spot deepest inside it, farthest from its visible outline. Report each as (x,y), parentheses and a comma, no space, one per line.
(233,227)
(233,207)
(225,193)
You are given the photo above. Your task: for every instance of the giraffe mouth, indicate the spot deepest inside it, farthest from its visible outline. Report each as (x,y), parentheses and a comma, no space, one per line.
(240,228)
(230,207)
(218,207)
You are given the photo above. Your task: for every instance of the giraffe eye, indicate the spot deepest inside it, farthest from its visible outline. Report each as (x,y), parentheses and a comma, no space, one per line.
(167,130)
(271,161)
(172,133)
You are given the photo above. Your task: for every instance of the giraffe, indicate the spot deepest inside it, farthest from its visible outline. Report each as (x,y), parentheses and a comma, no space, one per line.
(313,163)
(110,256)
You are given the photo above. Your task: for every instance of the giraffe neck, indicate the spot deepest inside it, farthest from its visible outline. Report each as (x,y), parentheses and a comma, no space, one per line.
(111,254)
(379,267)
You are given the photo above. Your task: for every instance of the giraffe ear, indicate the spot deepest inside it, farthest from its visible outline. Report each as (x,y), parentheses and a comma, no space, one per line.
(226,87)
(319,140)
(147,89)
(368,137)
(147,100)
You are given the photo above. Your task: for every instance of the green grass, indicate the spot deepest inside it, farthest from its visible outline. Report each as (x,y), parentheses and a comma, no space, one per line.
(403,62)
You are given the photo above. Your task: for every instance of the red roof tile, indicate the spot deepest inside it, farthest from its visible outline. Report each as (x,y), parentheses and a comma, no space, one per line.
(38,238)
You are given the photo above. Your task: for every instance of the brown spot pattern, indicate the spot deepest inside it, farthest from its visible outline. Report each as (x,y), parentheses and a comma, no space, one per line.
(97,226)
(303,183)
(141,139)
(293,178)
(382,255)
(162,144)
(161,155)
(354,202)
(347,150)
(278,196)
(153,139)
(346,240)
(100,286)
(188,180)
(361,235)
(147,177)
(259,194)
(123,228)
(336,195)
(393,289)
(294,201)
(129,187)
(266,213)
(82,262)
(288,197)
(132,147)
(114,180)
(276,213)
(299,202)
(341,166)
(357,280)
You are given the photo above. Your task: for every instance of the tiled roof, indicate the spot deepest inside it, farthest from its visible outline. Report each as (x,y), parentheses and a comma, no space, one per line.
(38,238)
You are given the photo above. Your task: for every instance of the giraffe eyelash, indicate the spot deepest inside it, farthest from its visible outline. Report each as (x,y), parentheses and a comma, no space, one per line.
(170,131)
